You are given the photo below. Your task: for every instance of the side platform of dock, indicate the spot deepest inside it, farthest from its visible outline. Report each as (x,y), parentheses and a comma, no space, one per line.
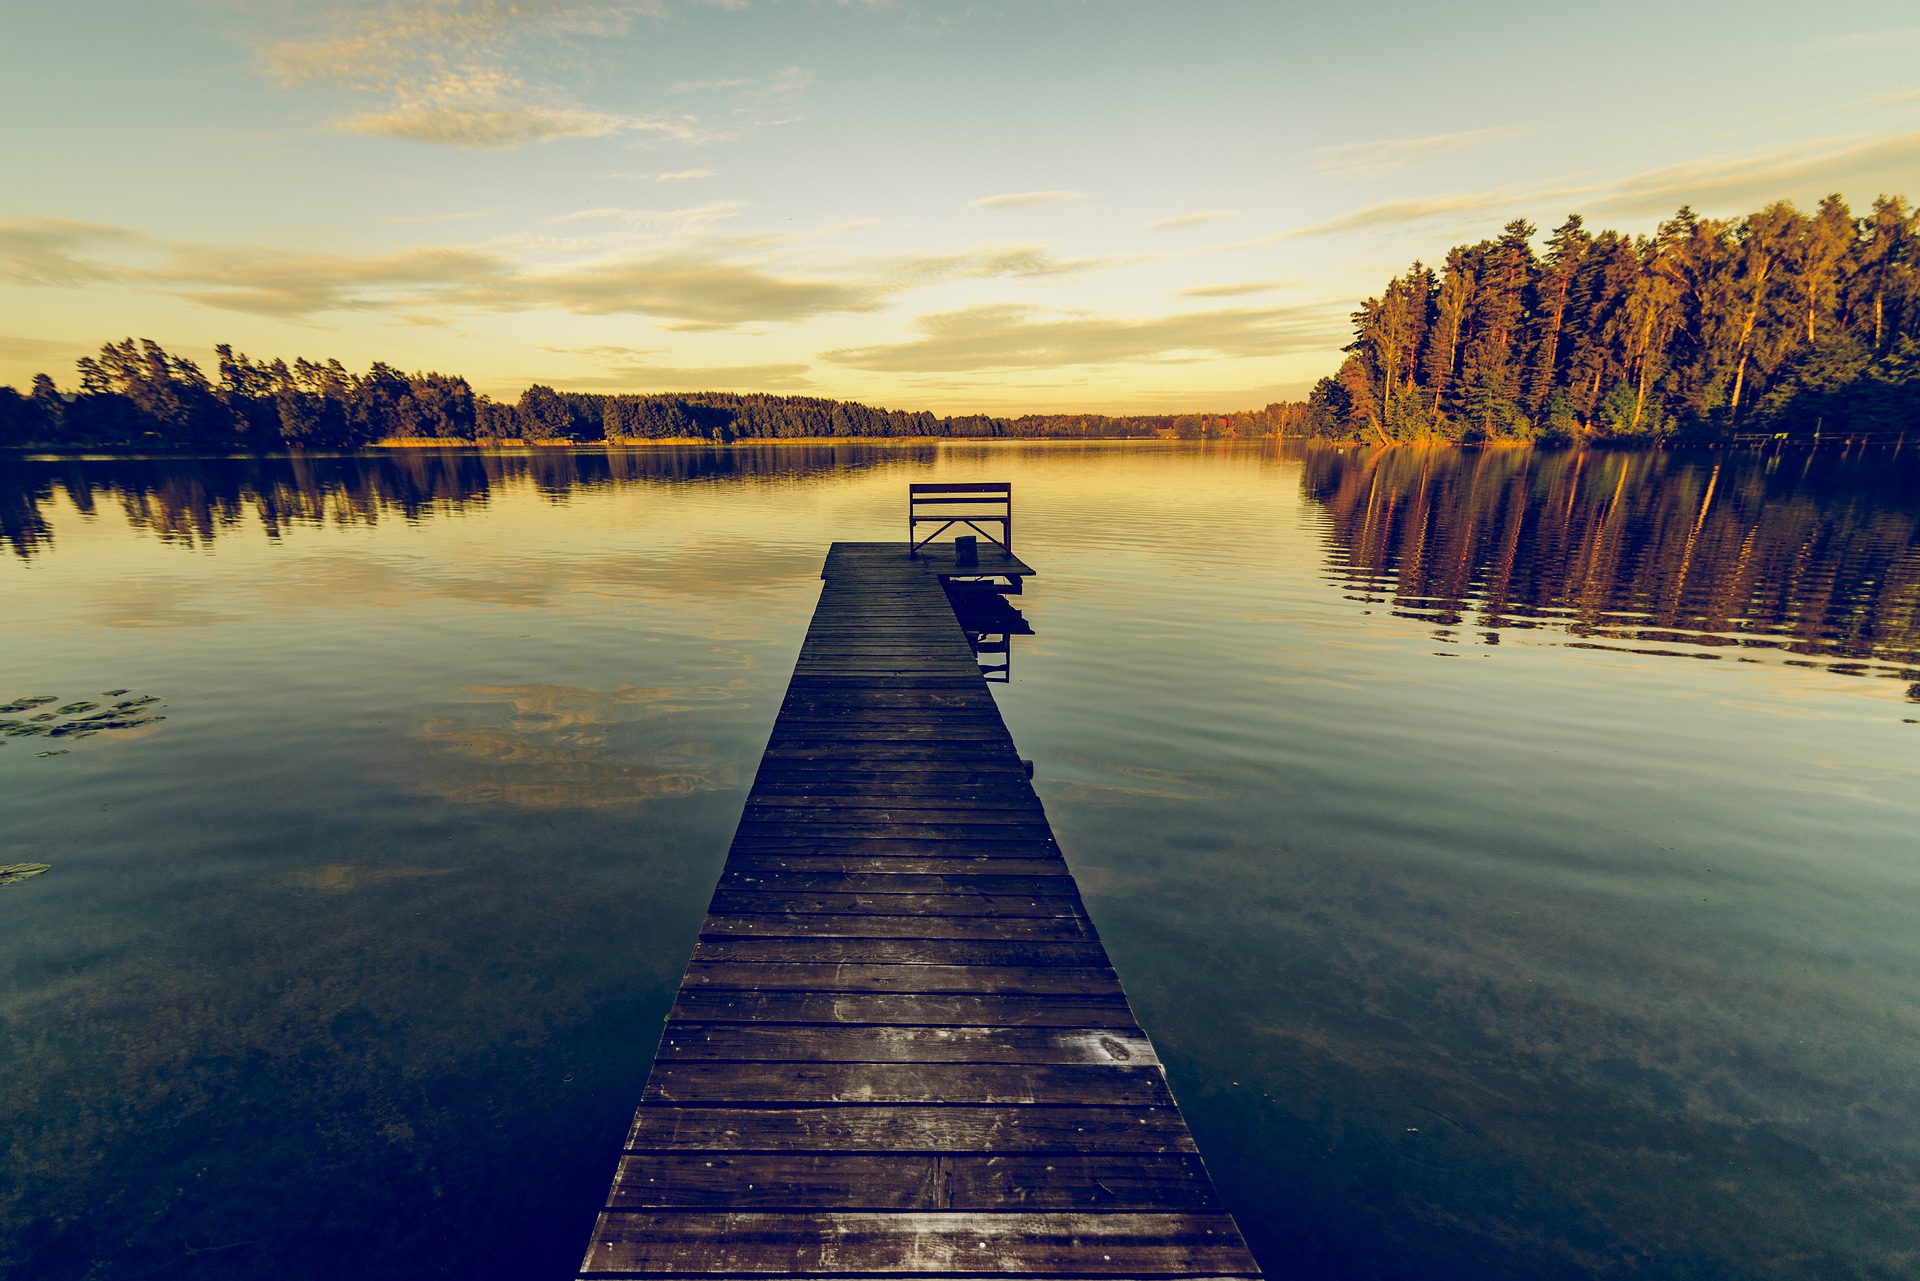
(899,1048)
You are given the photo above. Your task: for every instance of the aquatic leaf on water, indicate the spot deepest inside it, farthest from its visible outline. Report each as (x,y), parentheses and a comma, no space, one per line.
(112,693)
(12,872)
(122,715)
(27,704)
(58,751)
(94,724)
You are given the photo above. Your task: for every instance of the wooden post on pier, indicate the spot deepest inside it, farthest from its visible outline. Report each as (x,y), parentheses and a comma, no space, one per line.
(899,1047)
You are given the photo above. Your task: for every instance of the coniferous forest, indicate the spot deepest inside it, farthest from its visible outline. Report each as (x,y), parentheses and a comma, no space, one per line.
(1778,323)
(138,395)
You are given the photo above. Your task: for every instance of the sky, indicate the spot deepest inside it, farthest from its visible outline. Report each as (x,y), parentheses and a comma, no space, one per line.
(1048,205)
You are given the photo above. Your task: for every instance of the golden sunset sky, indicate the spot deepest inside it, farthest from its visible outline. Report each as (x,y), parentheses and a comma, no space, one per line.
(996,206)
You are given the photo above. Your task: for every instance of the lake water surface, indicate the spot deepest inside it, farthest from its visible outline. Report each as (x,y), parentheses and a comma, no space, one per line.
(1513,854)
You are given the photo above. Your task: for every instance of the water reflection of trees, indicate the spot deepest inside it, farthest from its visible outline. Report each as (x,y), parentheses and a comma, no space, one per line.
(191,500)
(1813,553)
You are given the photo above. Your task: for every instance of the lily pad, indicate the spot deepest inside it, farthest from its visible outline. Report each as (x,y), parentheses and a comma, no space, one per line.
(12,872)
(94,724)
(27,704)
(87,717)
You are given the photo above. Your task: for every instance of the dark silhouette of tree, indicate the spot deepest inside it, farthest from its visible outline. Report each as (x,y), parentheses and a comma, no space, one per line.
(1778,323)
(136,394)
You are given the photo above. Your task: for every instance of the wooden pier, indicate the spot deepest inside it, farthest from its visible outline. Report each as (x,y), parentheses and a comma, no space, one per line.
(900,1048)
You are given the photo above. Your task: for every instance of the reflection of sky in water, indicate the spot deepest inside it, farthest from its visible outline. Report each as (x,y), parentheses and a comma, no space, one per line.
(1537,961)
(554,746)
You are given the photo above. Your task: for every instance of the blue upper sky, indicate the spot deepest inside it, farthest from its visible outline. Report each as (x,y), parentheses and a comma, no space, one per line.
(1115,206)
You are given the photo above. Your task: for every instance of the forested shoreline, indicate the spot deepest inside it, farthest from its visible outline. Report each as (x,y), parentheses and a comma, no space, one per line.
(139,395)
(1780,323)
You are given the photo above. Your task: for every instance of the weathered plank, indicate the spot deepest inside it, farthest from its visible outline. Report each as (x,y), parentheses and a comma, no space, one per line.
(893,1128)
(819,949)
(906,1009)
(682,1081)
(1060,1243)
(932,864)
(847,977)
(843,925)
(755,899)
(899,807)
(894,849)
(815,1043)
(912,1181)
(897,883)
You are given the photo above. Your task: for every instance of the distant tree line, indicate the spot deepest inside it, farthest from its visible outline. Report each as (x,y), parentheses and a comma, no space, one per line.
(138,395)
(1780,321)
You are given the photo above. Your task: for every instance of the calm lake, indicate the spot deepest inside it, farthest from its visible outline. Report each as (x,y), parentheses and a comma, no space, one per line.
(1515,856)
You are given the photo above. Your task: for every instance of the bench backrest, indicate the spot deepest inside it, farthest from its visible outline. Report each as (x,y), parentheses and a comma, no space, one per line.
(973,506)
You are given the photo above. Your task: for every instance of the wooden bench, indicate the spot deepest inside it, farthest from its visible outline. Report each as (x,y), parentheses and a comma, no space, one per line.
(986,503)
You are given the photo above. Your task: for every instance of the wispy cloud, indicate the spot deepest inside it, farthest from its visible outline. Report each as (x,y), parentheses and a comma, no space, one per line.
(1371,159)
(462,215)
(1029,261)
(694,288)
(456,72)
(686,278)
(269,282)
(59,252)
(15,347)
(657,219)
(443,71)
(1398,213)
(670,176)
(1746,181)
(1236,289)
(634,369)
(1200,219)
(1733,184)
(484,122)
(1024,199)
(1001,337)
(786,80)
